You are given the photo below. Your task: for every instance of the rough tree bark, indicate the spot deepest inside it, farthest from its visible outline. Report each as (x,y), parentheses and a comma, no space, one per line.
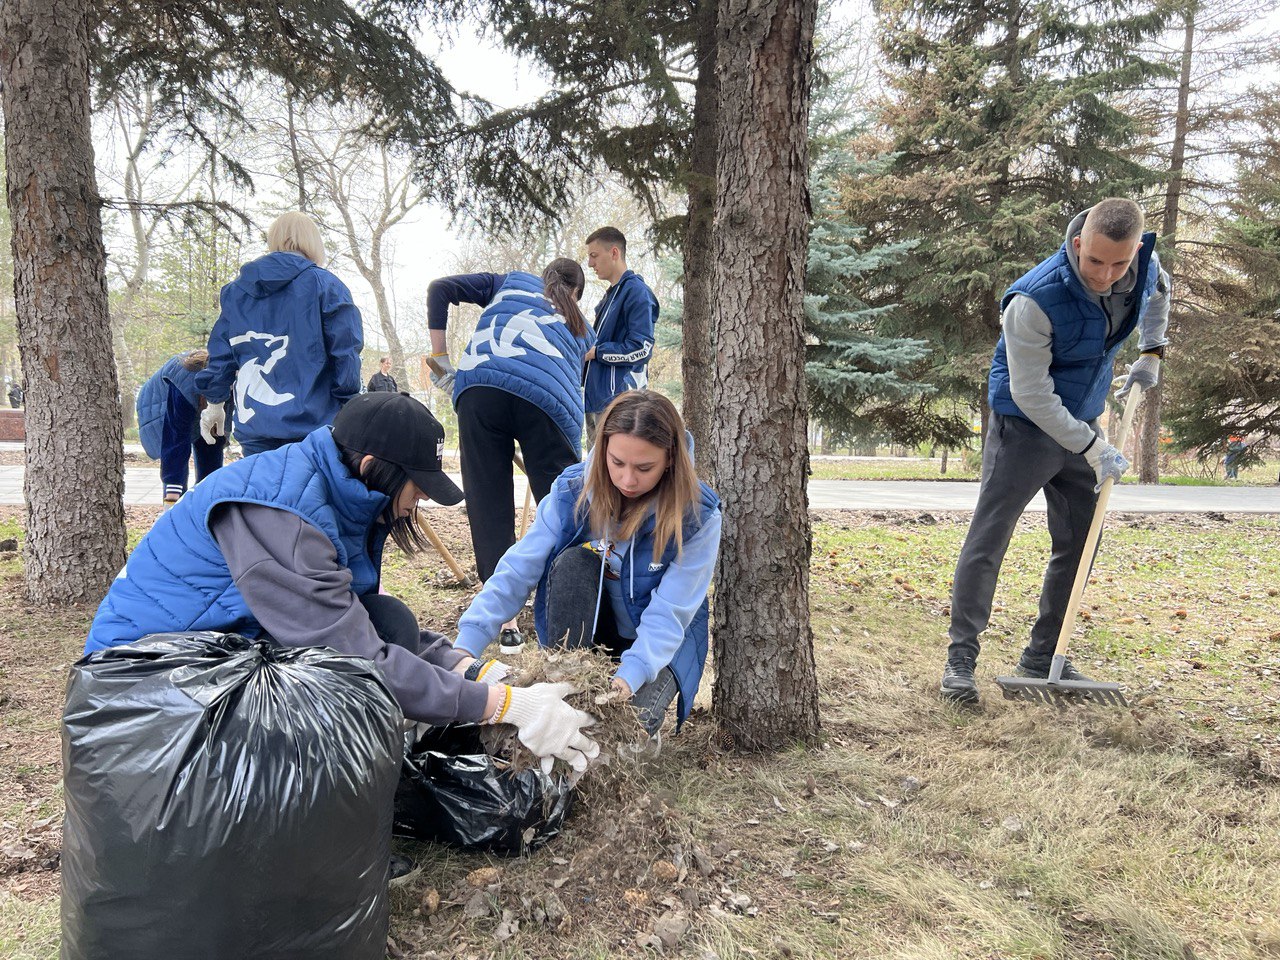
(766,693)
(1149,434)
(699,265)
(75,455)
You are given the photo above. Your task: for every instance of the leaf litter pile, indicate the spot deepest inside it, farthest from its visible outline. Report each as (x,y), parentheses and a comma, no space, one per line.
(627,864)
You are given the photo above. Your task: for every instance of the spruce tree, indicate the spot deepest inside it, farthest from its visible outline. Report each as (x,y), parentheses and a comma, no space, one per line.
(1233,386)
(1000,124)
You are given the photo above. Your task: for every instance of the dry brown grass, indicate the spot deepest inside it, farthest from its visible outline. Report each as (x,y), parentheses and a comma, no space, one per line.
(917,831)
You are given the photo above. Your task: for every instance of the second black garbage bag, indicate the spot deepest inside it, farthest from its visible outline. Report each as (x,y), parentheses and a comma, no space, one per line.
(227,798)
(452,792)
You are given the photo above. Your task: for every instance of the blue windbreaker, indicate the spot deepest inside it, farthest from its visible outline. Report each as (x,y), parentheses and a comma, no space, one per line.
(625,318)
(288,339)
(521,345)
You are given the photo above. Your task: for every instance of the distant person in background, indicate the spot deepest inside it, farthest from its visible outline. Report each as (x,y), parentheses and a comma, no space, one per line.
(169,423)
(16,396)
(288,342)
(1236,448)
(517,381)
(383,381)
(624,324)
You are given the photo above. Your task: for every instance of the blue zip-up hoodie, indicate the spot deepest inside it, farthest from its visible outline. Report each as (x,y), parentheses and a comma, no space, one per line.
(1083,354)
(177,579)
(153,399)
(289,340)
(521,345)
(625,319)
(667,600)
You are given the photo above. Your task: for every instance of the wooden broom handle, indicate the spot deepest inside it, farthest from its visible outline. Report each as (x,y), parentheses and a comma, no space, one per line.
(1095,530)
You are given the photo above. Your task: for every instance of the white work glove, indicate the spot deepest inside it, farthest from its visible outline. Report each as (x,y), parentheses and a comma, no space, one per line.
(492,672)
(550,727)
(443,380)
(1144,373)
(213,422)
(1106,461)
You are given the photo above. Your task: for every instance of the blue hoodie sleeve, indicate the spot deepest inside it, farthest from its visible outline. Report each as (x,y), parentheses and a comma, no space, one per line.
(517,573)
(343,336)
(215,380)
(477,288)
(638,308)
(672,608)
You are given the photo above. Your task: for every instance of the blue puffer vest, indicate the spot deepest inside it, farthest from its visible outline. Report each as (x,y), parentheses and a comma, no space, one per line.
(523,346)
(177,579)
(691,657)
(153,399)
(1083,356)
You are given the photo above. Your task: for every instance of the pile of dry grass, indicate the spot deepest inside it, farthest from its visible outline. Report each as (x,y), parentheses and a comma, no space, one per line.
(617,728)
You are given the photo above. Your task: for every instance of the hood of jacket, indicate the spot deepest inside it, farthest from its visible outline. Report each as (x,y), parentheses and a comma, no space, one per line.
(270,274)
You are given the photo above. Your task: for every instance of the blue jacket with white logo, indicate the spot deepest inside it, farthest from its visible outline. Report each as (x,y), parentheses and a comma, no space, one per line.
(1083,354)
(521,345)
(625,319)
(288,339)
(177,579)
(666,600)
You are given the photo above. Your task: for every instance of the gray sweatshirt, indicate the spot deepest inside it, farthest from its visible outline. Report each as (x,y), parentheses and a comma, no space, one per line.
(1028,336)
(288,573)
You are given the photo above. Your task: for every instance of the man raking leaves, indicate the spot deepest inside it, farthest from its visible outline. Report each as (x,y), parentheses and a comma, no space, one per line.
(1063,323)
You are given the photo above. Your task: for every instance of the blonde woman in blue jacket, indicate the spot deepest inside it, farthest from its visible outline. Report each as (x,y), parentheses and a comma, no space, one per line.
(621,554)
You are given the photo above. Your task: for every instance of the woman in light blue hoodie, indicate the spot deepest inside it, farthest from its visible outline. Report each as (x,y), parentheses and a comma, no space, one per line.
(621,552)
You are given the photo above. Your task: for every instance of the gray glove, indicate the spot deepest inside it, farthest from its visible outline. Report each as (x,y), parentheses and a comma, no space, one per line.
(1106,461)
(213,422)
(442,372)
(550,727)
(1144,373)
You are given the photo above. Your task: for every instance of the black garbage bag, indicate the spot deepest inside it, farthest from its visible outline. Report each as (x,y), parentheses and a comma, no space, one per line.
(452,792)
(227,798)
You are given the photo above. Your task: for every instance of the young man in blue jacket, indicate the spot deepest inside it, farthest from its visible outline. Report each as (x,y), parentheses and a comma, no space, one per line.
(624,324)
(1063,323)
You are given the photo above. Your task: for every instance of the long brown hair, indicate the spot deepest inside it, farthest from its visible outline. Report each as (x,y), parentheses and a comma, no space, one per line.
(563,281)
(653,418)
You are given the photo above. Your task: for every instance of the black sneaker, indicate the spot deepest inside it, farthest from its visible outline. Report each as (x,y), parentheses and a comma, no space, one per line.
(958,684)
(1039,670)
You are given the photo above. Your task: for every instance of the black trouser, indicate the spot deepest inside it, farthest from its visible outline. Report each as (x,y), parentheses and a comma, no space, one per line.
(1020,459)
(262,445)
(574,594)
(490,423)
(392,621)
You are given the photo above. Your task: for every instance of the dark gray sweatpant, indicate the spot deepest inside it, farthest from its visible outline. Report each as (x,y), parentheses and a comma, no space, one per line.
(1020,459)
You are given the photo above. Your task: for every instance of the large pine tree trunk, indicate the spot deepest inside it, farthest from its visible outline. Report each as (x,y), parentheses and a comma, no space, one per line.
(766,693)
(75,458)
(698,355)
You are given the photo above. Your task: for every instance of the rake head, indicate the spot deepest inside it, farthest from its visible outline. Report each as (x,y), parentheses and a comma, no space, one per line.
(1063,694)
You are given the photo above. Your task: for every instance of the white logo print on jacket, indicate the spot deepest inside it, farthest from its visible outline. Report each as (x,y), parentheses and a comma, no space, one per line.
(251,380)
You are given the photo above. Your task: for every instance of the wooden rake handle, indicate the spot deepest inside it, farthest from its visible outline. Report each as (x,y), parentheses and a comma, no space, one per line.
(1095,531)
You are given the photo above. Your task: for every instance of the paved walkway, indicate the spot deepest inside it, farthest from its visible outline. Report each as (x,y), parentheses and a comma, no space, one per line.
(142,486)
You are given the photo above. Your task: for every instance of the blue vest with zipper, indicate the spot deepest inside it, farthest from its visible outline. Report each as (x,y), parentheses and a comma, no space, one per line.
(177,579)
(691,656)
(521,345)
(1083,355)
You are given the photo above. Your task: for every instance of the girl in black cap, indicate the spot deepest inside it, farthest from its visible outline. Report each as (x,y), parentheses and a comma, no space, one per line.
(289,544)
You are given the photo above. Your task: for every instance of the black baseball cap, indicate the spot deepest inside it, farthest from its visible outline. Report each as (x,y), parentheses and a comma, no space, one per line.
(397,428)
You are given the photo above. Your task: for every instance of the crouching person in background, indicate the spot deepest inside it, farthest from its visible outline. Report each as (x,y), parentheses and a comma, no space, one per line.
(169,409)
(288,544)
(621,554)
